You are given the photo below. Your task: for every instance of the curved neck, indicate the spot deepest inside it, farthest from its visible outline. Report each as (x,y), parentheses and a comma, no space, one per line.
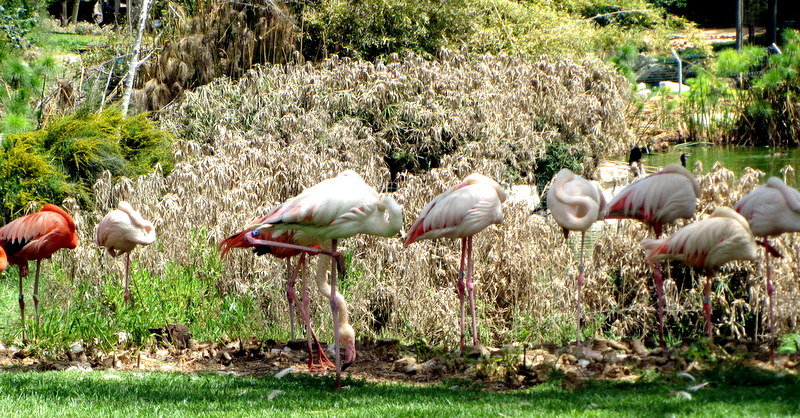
(323,267)
(387,221)
(584,203)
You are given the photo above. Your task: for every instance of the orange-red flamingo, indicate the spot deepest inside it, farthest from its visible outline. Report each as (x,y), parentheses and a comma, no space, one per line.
(461,212)
(268,234)
(657,200)
(36,237)
(336,208)
(772,209)
(576,204)
(3,260)
(724,236)
(120,232)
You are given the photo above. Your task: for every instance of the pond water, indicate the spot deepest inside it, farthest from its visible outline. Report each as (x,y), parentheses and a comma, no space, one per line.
(735,158)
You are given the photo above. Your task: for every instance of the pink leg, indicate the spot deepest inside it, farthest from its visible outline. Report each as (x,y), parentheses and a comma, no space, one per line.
(22,273)
(659,282)
(335,309)
(580,290)
(127,295)
(460,289)
(305,312)
(471,290)
(36,292)
(770,294)
(291,276)
(707,305)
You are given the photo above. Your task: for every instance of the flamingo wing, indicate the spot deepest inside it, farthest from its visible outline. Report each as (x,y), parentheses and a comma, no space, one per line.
(461,211)
(771,209)
(38,235)
(661,197)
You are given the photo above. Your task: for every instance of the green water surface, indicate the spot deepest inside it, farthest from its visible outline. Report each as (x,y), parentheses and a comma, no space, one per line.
(735,158)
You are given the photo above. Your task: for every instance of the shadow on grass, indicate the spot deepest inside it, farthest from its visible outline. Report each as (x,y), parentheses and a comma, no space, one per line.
(737,391)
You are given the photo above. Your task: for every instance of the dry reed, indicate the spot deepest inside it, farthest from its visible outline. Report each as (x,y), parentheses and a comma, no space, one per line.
(252,144)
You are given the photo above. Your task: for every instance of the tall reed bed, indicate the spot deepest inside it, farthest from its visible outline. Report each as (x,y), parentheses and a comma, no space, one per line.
(246,146)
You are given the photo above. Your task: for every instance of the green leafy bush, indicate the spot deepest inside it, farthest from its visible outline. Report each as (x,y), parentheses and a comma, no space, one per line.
(68,155)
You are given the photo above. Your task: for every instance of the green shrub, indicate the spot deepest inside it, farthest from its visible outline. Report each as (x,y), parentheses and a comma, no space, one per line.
(69,154)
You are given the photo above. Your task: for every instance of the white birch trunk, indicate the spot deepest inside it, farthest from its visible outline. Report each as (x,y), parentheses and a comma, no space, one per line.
(137,47)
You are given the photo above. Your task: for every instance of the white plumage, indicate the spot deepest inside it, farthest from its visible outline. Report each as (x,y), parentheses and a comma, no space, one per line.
(772,209)
(576,203)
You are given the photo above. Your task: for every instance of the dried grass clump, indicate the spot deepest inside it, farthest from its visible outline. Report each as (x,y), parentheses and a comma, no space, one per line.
(225,39)
(418,112)
(250,145)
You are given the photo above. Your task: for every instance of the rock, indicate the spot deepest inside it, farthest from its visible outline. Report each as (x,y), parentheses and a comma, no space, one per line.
(76,348)
(298,344)
(583,362)
(476,352)
(567,358)
(585,353)
(434,366)
(407,365)
(386,349)
(638,347)
(225,357)
(674,87)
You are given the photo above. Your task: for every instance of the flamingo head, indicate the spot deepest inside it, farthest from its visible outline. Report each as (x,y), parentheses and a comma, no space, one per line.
(347,338)
(391,224)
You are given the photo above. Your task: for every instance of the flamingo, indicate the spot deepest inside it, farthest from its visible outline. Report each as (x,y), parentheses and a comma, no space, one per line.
(266,233)
(576,204)
(657,200)
(461,212)
(334,209)
(724,236)
(771,210)
(36,236)
(3,260)
(120,231)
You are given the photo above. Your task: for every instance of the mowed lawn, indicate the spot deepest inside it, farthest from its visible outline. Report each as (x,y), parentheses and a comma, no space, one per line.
(75,393)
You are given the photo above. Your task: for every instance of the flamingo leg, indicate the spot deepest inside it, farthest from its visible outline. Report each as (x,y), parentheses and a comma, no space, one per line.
(335,309)
(707,304)
(305,312)
(659,282)
(127,296)
(580,289)
(460,289)
(770,294)
(471,290)
(22,274)
(291,276)
(36,292)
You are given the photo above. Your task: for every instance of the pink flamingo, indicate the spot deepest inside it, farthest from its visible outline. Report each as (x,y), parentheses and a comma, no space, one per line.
(267,233)
(461,212)
(334,209)
(771,210)
(657,200)
(724,236)
(576,204)
(120,231)
(36,236)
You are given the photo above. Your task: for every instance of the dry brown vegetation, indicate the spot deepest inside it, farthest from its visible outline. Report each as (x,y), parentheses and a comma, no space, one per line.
(249,145)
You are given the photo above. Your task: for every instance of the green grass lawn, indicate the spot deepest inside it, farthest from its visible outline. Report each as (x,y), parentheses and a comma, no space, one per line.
(75,393)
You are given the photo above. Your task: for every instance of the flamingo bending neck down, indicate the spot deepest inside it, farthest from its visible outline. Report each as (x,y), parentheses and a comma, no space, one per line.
(576,204)
(657,200)
(36,236)
(263,239)
(771,210)
(461,212)
(334,209)
(707,244)
(120,232)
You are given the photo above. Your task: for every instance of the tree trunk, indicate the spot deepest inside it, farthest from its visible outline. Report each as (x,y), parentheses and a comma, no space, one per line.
(116,13)
(75,7)
(134,63)
(772,22)
(739,18)
(64,13)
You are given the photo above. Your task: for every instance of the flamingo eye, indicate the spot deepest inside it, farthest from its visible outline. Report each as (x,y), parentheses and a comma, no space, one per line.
(255,233)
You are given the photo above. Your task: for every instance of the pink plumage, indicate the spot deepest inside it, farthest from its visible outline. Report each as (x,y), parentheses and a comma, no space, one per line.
(462,211)
(657,199)
(772,209)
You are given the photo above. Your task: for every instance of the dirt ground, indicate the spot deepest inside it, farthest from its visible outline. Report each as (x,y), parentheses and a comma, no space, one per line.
(508,367)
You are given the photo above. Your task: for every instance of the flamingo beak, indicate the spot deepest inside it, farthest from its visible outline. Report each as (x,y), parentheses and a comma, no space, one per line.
(349,355)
